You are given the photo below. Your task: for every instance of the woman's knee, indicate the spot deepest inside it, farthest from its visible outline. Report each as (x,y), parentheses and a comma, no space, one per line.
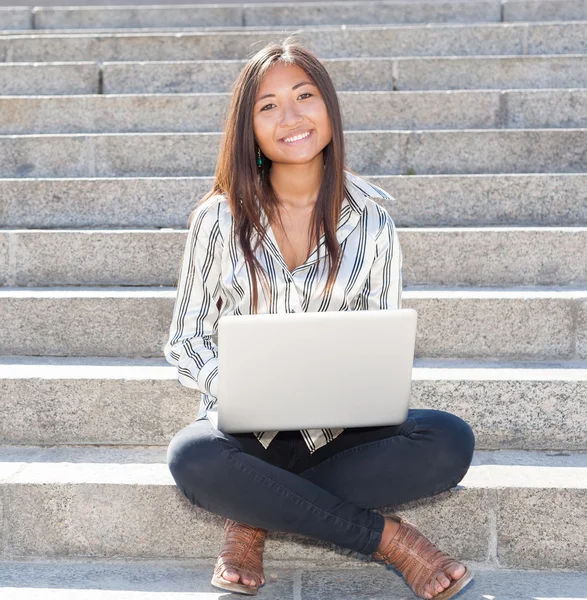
(456,441)
(192,453)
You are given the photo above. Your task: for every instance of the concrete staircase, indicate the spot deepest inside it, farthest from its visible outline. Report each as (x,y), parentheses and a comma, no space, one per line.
(472,115)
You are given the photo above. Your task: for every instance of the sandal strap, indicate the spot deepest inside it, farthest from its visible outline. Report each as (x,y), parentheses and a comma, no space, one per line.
(242,550)
(415,556)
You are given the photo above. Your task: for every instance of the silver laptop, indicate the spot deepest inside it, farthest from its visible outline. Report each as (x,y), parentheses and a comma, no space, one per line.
(288,371)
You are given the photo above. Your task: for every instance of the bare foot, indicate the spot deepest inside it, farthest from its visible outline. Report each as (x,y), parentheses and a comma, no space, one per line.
(233,575)
(437,584)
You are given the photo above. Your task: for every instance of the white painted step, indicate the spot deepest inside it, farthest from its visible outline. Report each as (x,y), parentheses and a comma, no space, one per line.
(513,199)
(327,42)
(375,152)
(279,14)
(435,256)
(183,112)
(124,579)
(114,502)
(139,401)
(478,323)
(375,74)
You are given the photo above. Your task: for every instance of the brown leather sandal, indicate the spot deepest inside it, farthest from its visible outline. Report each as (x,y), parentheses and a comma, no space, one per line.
(243,551)
(419,560)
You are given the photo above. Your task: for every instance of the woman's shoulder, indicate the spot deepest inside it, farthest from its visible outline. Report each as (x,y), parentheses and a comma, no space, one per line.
(214,208)
(367,187)
(377,204)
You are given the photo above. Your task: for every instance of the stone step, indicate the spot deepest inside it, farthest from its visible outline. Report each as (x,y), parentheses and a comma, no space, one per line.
(326,42)
(280,14)
(113,502)
(273,15)
(361,74)
(16,18)
(316,13)
(373,152)
(177,579)
(543,324)
(462,109)
(449,257)
(546,72)
(525,406)
(419,200)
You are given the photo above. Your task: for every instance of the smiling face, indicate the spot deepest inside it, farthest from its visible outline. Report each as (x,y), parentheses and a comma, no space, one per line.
(289,109)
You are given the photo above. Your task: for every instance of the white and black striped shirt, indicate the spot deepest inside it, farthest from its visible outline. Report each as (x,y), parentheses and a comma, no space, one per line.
(213,267)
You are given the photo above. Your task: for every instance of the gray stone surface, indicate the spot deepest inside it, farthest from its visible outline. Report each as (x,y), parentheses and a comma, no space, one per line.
(170,77)
(508,151)
(526,536)
(106,502)
(17,18)
(523,408)
(540,38)
(367,152)
(418,200)
(506,256)
(96,201)
(97,257)
(545,10)
(86,322)
(134,322)
(386,584)
(42,78)
(269,15)
(538,108)
(128,403)
(71,17)
(495,324)
(453,257)
(325,42)
(373,13)
(486,199)
(450,109)
(454,73)
(375,74)
(148,2)
(5,266)
(582,330)
(57,400)
(83,501)
(82,579)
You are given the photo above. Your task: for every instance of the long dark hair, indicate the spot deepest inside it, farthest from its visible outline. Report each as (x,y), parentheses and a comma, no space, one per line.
(241,180)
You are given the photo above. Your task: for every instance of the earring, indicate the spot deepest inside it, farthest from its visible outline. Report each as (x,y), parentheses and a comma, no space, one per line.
(259,159)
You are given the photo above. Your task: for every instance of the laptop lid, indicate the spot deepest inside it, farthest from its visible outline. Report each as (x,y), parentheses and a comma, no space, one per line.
(289,371)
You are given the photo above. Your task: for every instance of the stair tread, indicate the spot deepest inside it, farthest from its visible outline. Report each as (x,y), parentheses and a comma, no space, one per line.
(147,465)
(90,578)
(105,367)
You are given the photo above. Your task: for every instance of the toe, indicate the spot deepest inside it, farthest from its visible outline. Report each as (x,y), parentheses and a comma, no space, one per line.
(430,589)
(455,570)
(443,580)
(230,575)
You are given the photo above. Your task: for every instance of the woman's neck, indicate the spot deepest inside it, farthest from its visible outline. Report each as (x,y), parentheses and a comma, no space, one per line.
(297,186)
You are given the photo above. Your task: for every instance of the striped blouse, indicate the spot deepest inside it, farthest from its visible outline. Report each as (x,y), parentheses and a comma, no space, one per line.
(214,267)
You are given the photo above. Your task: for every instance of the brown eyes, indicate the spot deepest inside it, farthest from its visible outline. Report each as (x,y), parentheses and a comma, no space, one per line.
(304,94)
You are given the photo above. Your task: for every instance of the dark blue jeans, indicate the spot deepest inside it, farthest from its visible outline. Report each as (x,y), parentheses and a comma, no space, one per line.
(329,494)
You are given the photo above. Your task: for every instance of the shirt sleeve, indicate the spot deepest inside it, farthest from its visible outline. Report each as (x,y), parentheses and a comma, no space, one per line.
(195,315)
(383,286)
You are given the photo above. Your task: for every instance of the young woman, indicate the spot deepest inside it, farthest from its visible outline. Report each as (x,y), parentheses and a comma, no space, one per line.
(281,180)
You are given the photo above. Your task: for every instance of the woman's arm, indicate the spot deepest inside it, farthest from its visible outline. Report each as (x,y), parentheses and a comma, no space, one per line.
(383,287)
(195,315)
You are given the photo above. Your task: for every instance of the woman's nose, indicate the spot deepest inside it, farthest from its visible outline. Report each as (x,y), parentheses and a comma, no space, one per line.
(291,114)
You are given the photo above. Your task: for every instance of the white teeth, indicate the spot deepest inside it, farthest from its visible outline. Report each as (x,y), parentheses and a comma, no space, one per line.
(297,137)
